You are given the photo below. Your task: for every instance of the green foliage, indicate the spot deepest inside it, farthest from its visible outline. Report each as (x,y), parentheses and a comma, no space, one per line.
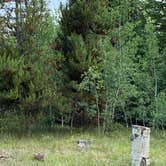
(159,117)
(11,122)
(10,78)
(79,61)
(105,64)
(156,10)
(28,83)
(23,85)
(111,59)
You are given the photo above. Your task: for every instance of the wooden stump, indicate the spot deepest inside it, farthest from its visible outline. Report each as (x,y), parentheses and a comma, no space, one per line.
(140,145)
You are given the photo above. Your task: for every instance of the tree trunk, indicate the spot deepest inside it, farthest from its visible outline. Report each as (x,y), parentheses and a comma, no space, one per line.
(98,110)
(28,126)
(127,125)
(62,121)
(71,124)
(105,116)
(140,145)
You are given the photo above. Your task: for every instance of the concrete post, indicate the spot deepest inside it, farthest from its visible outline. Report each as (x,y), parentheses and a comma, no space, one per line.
(140,140)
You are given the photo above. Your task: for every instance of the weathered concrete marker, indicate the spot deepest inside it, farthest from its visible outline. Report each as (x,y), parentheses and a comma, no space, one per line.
(140,140)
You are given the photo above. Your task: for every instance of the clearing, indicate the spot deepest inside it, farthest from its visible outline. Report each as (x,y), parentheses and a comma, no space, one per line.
(60,148)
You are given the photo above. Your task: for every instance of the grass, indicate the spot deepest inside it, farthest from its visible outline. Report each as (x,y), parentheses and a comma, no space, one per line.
(60,149)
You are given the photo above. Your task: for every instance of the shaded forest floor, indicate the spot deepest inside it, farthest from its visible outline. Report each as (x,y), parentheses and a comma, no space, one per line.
(60,148)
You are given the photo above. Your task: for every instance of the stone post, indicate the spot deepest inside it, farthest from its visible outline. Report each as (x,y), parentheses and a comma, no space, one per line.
(140,140)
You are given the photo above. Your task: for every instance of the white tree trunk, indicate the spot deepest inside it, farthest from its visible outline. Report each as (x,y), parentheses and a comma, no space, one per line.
(62,121)
(140,145)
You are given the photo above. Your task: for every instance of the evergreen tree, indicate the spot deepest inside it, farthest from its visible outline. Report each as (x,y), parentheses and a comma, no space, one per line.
(105,64)
(27,81)
(108,57)
(84,25)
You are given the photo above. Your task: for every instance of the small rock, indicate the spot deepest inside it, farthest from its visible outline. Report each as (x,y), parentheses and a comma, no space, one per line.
(4,155)
(83,143)
(39,156)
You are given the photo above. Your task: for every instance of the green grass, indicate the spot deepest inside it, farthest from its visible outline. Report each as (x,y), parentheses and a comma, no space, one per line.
(60,149)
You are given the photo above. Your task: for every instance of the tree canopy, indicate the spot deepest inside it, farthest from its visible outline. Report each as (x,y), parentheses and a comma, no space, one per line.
(104,62)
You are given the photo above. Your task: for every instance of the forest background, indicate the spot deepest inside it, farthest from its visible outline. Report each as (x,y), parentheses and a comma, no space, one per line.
(99,63)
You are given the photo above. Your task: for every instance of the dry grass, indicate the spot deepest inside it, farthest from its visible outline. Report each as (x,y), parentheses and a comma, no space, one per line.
(60,149)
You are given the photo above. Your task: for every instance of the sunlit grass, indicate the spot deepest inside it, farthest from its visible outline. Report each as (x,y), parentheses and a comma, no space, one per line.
(60,149)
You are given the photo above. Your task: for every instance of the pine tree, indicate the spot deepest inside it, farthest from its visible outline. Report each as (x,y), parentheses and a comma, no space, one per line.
(25,21)
(106,45)
(27,82)
(85,25)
